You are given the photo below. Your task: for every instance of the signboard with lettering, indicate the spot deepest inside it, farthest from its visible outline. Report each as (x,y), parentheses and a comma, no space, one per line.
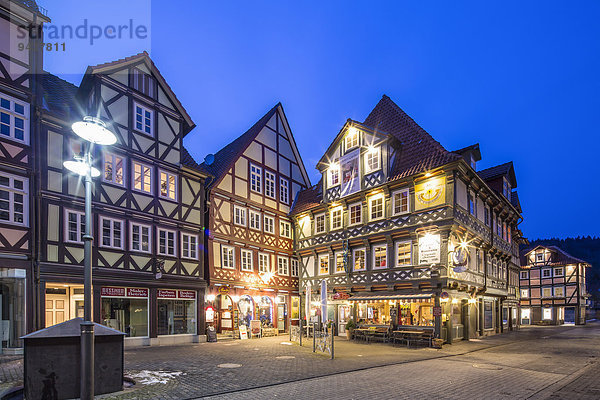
(255,327)
(135,292)
(243,332)
(211,334)
(112,291)
(166,294)
(186,294)
(429,249)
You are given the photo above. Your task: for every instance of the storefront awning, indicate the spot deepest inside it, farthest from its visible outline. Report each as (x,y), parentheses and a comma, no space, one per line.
(390,296)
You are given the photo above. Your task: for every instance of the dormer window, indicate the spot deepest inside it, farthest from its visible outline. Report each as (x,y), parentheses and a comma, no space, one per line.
(506,189)
(352,139)
(334,175)
(372,160)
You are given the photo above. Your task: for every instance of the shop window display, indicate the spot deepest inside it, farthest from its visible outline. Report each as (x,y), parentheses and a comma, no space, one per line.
(245,306)
(265,311)
(126,315)
(176,317)
(12,306)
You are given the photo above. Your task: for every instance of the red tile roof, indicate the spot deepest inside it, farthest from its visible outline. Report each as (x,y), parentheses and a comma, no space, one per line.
(308,198)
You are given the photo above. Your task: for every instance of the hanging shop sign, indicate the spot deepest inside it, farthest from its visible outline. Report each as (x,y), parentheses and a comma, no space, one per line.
(223,290)
(109,291)
(429,249)
(350,172)
(430,193)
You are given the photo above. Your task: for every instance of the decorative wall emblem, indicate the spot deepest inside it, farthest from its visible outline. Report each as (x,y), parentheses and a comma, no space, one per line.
(430,193)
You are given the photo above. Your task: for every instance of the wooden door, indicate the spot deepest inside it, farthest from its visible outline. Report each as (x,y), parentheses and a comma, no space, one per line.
(57,309)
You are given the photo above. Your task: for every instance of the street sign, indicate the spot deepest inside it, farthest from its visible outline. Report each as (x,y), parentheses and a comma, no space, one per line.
(437,311)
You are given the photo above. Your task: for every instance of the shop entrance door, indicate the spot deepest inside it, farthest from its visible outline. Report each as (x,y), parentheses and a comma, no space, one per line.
(281,317)
(57,309)
(225,313)
(570,315)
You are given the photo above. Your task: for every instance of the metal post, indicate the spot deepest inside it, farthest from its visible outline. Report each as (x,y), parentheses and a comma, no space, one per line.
(300,323)
(332,335)
(87,326)
(290,327)
(314,336)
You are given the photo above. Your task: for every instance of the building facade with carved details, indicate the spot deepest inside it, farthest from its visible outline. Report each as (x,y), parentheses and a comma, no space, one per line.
(252,270)
(405,232)
(552,287)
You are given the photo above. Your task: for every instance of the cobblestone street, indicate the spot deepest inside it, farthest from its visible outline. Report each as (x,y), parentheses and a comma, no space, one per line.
(549,362)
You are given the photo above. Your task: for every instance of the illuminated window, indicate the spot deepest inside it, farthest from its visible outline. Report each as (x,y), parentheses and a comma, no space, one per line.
(403,251)
(320,223)
(559,291)
(547,313)
(264,265)
(379,256)
(339,263)
(334,175)
(285,229)
(323,265)
(269,184)
(400,200)
(336,218)
(114,168)
(283,265)
(355,211)
(142,177)
(168,185)
(547,292)
(359,259)
(255,178)
(372,160)
(376,207)
(352,138)
(525,293)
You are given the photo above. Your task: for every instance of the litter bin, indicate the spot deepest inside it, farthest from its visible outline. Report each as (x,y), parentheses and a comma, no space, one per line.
(52,359)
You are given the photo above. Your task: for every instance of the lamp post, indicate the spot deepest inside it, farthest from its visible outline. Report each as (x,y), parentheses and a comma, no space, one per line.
(94,131)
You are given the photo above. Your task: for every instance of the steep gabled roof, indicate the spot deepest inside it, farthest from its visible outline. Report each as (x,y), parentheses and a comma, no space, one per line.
(505,169)
(308,198)
(560,256)
(59,96)
(226,157)
(473,149)
(188,161)
(108,67)
(419,151)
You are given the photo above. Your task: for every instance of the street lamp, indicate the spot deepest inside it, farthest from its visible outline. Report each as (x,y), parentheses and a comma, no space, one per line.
(94,131)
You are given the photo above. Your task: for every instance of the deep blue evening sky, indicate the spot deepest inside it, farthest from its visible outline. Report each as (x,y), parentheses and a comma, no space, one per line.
(521,79)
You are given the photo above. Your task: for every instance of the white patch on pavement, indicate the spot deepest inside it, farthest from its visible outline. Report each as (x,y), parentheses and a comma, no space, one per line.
(146,377)
(284,357)
(359,355)
(229,365)
(286,343)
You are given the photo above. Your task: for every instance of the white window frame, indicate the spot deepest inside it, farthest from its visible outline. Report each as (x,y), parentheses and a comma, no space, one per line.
(240,215)
(352,139)
(255,178)
(524,275)
(12,114)
(294,267)
(254,219)
(526,292)
(364,266)
(269,224)
(368,155)
(284,191)
(321,257)
(168,175)
(544,317)
(283,266)
(371,200)
(549,273)
(141,226)
(246,260)
(264,262)
(353,205)
(548,288)
(332,220)
(400,192)
(228,249)
(112,232)
(189,248)
(158,239)
(562,288)
(113,161)
(270,187)
(338,256)
(12,191)
(317,231)
(143,184)
(285,229)
(333,171)
(80,225)
(561,272)
(397,247)
(387,256)
(145,110)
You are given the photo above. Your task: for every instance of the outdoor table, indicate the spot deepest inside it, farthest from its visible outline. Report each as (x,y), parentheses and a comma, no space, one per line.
(409,335)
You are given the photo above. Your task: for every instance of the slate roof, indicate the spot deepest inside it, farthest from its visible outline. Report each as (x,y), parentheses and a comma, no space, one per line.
(188,161)
(499,170)
(560,257)
(308,198)
(419,151)
(59,96)
(514,200)
(30,4)
(225,158)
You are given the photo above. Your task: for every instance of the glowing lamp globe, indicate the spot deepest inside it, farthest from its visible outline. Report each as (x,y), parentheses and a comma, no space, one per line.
(94,130)
(81,168)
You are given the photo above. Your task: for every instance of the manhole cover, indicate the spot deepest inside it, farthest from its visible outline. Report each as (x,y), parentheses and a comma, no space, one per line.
(228,365)
(284,357)
(286,343)
(487,366)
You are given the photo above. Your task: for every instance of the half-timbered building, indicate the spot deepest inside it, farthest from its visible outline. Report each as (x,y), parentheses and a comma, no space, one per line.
(405,232)
(148,276)
(20,68)
(552,287)
(252,271)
